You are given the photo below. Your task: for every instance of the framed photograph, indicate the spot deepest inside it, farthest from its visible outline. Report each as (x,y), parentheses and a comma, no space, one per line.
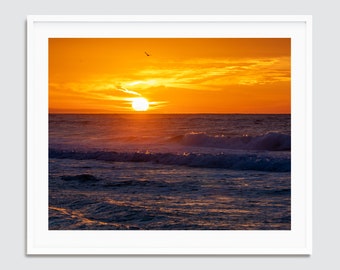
(169,135)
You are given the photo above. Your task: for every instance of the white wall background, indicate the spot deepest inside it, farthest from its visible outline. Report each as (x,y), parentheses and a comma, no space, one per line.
(326,131)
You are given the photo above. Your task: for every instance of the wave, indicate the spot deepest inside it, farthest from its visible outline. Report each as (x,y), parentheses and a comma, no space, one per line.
(271,141)
(235,161)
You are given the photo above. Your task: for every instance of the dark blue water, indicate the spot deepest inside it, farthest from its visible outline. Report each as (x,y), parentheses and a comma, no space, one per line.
(161,172)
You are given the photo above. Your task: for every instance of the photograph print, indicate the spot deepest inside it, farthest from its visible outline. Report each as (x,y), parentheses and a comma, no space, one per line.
(169,134)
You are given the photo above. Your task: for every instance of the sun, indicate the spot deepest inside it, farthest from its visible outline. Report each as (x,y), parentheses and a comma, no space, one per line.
(140,104)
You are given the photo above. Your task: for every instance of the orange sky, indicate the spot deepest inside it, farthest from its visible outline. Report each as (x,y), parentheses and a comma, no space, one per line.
(181,75)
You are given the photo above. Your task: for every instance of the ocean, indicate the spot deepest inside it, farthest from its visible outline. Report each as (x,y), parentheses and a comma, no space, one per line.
(169,172)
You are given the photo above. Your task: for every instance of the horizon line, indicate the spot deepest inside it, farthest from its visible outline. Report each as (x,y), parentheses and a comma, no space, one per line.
(145,113)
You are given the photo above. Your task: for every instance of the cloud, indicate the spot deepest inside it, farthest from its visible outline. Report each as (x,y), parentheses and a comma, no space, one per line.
(208,74)
(213,74)
(127,91)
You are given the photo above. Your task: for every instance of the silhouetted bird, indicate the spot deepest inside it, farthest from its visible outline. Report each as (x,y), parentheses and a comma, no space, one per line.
(147,54)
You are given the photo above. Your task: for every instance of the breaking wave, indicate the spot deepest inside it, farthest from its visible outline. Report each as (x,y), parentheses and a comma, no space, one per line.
(235,161)
(271,141)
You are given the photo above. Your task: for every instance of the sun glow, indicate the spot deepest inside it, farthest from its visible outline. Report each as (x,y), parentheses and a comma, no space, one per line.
(140,104)
(113,75)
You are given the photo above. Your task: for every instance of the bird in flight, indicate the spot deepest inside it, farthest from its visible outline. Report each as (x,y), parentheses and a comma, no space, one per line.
(147,54)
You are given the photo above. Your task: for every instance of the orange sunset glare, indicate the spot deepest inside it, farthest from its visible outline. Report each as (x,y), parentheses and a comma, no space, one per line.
(170,75)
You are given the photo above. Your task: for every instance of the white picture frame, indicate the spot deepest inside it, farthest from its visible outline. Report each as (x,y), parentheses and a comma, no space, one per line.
(296,241)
